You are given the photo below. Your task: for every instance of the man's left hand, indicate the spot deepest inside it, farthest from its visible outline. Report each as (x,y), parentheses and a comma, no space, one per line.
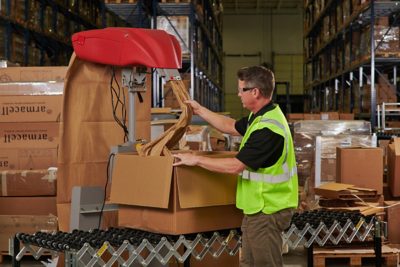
(186,159)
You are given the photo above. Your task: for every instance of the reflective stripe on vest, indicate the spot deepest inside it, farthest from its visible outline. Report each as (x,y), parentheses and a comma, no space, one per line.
(270,178)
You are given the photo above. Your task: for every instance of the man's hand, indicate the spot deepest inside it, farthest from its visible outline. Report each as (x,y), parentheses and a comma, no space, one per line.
(195,106)
(186,159)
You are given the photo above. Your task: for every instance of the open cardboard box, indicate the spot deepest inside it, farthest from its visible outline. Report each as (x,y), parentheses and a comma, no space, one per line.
(155,196)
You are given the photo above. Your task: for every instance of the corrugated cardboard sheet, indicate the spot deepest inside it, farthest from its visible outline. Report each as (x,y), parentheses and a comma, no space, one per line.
(28,183)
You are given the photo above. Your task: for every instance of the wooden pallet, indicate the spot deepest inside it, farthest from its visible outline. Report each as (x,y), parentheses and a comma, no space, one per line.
(354,256)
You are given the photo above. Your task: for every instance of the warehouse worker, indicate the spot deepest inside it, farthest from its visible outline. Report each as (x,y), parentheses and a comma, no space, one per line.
(266,165)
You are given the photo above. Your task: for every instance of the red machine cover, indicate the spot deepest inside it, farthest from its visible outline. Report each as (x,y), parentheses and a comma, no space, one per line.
(128,47)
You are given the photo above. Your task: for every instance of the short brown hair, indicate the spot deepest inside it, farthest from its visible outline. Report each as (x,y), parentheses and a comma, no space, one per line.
(260,77)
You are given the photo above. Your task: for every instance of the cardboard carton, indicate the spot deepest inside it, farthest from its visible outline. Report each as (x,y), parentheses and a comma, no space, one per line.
(346,116)
(310,116)
(32,74)
(31,88)
(29,134)
(28,183)
(28,206)
(154,196)
(361,167)
(295,116)
(27,158)
(393,218)
(394,167)
(30,108)
(329,115)
(12,224)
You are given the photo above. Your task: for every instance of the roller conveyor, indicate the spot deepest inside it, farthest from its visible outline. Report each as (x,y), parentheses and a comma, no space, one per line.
(128,246)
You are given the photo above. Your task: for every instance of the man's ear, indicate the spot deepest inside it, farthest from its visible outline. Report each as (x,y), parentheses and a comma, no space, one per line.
(257,93)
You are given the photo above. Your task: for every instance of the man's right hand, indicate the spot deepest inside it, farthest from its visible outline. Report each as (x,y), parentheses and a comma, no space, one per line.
(195,106)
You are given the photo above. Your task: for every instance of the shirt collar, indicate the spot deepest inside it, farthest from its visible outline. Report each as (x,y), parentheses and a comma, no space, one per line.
(268,107)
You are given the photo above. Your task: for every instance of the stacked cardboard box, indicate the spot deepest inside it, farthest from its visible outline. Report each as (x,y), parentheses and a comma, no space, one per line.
(393,161)
(30,107)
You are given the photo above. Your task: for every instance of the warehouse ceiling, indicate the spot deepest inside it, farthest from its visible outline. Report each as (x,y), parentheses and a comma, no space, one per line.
(261,6)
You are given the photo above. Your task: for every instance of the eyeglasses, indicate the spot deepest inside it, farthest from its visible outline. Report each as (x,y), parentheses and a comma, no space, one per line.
(245,89)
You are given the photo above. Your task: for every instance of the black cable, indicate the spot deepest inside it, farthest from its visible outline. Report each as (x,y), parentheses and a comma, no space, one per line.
(112,155)
(113,91)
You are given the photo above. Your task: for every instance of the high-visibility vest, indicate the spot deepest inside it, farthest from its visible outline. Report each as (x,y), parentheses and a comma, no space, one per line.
(273,188)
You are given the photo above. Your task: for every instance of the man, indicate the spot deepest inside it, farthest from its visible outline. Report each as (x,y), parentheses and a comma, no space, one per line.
(267,183)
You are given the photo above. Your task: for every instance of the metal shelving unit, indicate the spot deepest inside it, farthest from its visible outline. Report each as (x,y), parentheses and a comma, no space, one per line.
(202,50)
(38,32)
(334,67)
(204,58)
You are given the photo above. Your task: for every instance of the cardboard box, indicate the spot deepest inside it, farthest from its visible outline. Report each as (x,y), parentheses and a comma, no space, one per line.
(393,218)
(27,158)
(28,183)
(310,116)
(30,108)
(29,134)
(12,224)
(31,88)
(361,167)
(329,115)
(177,200)
(384,144)
(28,206)
(394,167)
(32,74)
(346,116)
(295,116)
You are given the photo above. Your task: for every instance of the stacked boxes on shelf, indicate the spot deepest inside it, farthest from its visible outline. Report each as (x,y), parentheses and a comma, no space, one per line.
(30,107)
(38,32)
(197,27)
(338,42)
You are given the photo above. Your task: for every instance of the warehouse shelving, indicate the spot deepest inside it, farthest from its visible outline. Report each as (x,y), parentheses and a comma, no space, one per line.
(336,71)
(204,46)
(38,32)
(201,46)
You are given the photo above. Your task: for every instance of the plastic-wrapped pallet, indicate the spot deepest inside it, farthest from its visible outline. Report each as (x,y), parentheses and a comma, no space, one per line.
(327,135)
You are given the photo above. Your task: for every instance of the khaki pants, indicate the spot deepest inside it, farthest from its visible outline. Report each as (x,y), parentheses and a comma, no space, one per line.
(262,238)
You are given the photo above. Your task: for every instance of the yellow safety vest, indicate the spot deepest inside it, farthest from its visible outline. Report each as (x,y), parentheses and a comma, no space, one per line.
(274,188)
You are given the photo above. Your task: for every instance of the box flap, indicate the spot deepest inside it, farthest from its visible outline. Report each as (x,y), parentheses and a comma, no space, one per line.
(141,181)
(198,187)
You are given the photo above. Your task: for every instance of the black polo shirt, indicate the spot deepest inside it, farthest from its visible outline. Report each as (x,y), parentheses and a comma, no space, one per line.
(263,148)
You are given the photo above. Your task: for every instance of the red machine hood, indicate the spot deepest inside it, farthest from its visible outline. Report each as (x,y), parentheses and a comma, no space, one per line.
(128,47)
